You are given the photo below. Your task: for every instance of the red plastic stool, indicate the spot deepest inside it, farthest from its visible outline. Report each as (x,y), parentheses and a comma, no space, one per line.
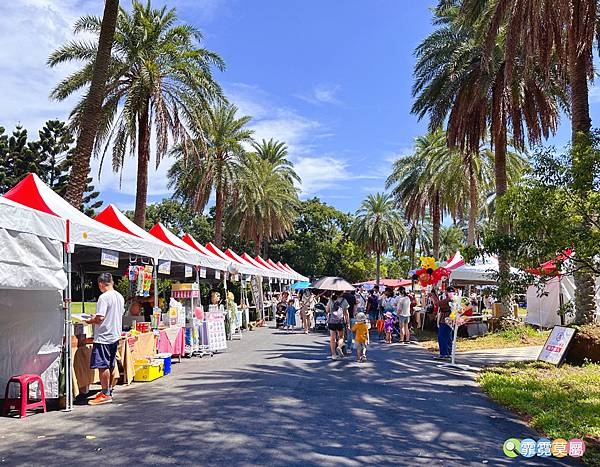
(22,402)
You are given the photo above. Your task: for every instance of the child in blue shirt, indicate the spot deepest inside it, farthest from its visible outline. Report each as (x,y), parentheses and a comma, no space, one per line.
(290,320)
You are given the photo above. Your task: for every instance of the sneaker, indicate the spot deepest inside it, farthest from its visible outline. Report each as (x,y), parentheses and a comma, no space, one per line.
(335,357)
(100,399)
(339,351)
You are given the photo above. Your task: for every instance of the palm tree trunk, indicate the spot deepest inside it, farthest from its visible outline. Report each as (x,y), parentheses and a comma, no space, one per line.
(500,143)
(413,246)
(92,107)
(437,224)
(257,244)
(580,127)
(473,203)
(141,194)
(219,217)
(378,269)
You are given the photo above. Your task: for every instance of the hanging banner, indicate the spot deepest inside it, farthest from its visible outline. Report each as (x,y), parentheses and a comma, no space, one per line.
(164,266)
(109,258)
(217,274)
(188,270)
(202,273)
(257,296)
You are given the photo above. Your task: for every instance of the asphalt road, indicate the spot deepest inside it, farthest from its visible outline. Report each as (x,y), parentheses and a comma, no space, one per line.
(276,399)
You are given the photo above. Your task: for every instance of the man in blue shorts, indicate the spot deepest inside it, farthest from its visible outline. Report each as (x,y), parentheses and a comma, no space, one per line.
(107,332)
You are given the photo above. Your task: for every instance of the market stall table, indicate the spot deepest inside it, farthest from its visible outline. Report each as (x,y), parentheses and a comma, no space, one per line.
(172,340)
(131,348)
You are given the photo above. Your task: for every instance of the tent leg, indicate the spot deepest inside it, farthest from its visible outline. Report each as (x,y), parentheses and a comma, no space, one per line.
(82,279)
(68,333)
(155,279)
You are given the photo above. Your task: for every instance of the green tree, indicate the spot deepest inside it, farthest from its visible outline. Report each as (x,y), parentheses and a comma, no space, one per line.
(92,107)
(18,157)
(158,78)
(263,202)
(276,152)
(546,39)
(457,83)
(378,226)
(220,135)
(452,239)
(179,219)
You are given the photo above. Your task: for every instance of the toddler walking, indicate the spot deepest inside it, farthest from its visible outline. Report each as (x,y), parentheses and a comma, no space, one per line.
(388,326)
(290,320)
(361,336)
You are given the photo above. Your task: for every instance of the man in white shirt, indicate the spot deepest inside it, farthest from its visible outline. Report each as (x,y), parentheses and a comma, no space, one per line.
(403,310)
(108,323)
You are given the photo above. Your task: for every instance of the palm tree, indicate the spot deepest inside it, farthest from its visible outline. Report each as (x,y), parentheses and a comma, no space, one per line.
(80,170)
(220,135)
(451,239)
(378,226)
(559,37)
(429,181)
(455,80)
(277,153)
(158,77)
(264,201)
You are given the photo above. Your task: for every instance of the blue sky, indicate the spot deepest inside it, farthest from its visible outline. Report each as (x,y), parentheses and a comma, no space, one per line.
(332,78)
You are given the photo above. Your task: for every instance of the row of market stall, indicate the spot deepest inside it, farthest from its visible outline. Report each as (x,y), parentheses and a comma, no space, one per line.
(44,242)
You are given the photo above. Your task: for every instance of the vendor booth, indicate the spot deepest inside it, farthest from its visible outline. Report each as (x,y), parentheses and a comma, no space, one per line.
(45,243)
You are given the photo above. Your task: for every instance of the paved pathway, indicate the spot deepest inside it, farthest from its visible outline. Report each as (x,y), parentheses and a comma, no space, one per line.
(275,399)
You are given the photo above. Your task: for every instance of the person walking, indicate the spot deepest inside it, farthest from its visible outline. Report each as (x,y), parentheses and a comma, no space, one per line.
(403,309)
(372,306)
(337,320)
(108,324)
(351,299)
(290,320)
(361,336)
(306,305)
(444,330)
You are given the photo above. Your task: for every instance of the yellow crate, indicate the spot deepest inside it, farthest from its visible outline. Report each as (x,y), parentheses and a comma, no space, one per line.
(147,372)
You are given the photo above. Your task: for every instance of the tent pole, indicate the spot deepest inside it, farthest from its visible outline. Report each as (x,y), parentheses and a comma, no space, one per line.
(82,278)
(68,333)
(155,278)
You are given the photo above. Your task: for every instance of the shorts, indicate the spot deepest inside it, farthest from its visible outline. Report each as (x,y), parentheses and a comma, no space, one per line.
(335,326)
(403,319)
(104,356)
(361,347)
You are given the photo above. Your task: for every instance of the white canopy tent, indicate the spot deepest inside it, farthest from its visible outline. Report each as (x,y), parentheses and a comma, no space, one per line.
(31,323)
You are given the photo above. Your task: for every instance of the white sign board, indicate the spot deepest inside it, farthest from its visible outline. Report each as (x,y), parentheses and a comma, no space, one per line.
(556,345)
(217,274)
(188,270)
(110,258)
(164,266)
(202,273)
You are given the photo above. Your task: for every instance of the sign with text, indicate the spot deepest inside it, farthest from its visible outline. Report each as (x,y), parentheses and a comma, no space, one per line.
(556,345)
(188,270)
(110,258)
(217,274)
(164,266)
(202,273)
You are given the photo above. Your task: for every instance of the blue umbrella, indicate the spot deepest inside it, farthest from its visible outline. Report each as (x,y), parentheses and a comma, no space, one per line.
(300,285)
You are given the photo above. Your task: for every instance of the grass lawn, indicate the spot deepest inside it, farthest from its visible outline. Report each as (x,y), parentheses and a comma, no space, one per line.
(519,337)
(90,307)
(558,402)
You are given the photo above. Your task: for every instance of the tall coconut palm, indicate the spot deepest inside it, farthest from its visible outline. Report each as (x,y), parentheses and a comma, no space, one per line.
(220,135)
(264,201)
(378,226)
(277,153)
(91,111)
(429,181)
(158,75)
(457,82)
(559,36)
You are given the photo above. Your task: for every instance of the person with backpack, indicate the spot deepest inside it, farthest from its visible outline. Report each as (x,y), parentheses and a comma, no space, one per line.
(372,306)
(337,321)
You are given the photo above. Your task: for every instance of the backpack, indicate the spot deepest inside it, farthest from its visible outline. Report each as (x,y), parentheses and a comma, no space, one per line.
(336,316)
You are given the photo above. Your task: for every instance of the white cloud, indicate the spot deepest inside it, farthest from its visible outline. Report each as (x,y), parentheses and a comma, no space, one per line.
(322,94)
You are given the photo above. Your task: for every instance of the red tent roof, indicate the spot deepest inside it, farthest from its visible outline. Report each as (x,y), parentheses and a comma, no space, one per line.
(264,264)
(112,217)
(27,193)
(163,234)
(216,251)
(277,268)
